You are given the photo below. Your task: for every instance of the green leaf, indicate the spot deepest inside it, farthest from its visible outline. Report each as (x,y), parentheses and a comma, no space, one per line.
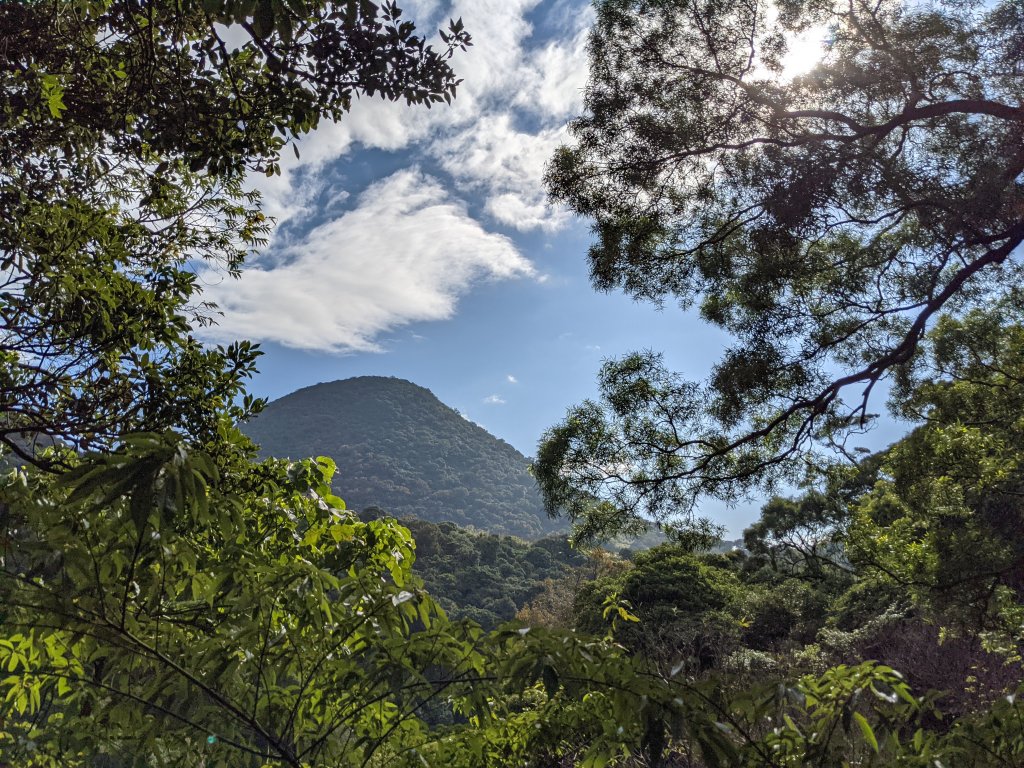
(53,94)
(866,730)
(263,19)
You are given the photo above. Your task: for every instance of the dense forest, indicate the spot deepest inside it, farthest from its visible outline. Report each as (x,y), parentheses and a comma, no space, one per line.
(486,577)
(400,448)
(169,598)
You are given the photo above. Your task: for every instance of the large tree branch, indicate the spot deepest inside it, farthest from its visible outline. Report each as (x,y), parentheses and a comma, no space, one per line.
(869,374)
(909,114)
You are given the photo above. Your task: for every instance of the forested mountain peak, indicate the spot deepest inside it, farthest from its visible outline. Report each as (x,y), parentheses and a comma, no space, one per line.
(400,448)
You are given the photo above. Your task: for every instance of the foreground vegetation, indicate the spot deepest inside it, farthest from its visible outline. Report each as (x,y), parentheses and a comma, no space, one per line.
(169,600)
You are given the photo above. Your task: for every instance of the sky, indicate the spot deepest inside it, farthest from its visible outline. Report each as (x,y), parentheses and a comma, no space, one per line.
(418,243)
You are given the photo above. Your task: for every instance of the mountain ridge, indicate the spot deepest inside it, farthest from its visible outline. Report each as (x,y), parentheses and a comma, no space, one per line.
(399,448)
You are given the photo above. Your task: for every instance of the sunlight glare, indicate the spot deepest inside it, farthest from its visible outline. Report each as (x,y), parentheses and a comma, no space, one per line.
(804,51)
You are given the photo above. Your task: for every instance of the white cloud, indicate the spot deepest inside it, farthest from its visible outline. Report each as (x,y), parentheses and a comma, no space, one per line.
(499,29)
(512,379)
(494,400)
(337,196)
(371,123)
(508,165)
(526,210)
(405,253)
(409,249)
(283,198)
(503,71)
(490,154)
(552,81)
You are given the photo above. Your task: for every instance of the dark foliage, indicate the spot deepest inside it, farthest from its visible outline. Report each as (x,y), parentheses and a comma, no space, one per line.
(823,221)
(483,576)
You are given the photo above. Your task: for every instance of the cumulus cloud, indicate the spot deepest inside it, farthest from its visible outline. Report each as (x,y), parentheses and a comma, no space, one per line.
(494,400)
(405,253)
(512,379)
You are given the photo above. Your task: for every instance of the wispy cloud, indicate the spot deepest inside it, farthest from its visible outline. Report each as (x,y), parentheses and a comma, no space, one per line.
(552,80)
(512,379)
(507,166)
(405,253)
(494,400)
(408,248)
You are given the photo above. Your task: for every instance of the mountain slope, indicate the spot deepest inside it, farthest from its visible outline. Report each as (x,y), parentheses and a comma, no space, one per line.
(401,449)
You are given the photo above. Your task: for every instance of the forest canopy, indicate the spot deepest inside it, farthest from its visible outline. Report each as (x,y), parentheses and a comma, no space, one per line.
(824,221)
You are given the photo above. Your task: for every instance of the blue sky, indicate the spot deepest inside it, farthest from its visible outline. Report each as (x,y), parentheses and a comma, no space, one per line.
(419,244)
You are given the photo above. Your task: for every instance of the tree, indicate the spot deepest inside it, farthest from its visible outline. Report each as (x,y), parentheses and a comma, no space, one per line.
(684,608)
(159,610)
(136,582)
(803,537)
(916,549)
(126,132)
(165,600)
(824,221)
(944,518)
(151,615)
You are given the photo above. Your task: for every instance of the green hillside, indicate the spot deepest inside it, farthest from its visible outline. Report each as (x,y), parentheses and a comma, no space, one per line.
(400,448)
(482,576)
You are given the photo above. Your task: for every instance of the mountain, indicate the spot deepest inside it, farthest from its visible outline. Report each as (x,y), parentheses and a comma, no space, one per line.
(401,449)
